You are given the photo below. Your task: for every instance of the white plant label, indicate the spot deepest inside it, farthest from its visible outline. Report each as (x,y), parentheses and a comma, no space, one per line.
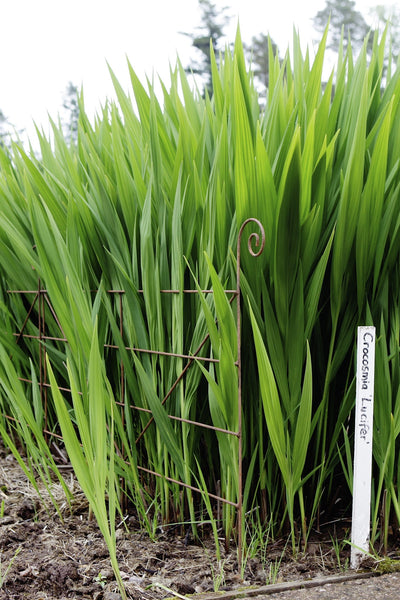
(360,530)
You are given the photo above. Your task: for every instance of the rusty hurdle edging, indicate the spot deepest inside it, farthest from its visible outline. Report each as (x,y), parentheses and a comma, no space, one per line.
(256,239)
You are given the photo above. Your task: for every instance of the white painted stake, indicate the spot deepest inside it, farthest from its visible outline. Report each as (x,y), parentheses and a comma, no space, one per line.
(360,530)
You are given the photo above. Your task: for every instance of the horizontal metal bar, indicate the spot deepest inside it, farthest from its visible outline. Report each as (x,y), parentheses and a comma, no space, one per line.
(56,435)
(10,418)
(40,337)
(62,389)
(187,291)
(48,385)
(26,380)
(160,353)
(182,420)
(54,339)
(190,487)
(227,431)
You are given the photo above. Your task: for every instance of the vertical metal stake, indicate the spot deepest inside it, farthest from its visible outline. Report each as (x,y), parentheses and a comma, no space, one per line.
(45,388)
(254,237)
(42,356)
(122,392)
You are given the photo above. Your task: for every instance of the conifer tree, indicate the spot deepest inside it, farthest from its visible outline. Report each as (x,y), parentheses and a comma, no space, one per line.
(342,16)
(210,32)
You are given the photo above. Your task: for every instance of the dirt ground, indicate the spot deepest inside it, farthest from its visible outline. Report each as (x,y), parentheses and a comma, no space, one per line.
(44,557)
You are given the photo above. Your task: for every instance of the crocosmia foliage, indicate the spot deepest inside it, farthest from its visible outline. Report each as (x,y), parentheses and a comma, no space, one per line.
(151,198)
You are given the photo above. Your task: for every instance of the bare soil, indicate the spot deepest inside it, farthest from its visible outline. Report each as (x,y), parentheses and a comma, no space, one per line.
(45,557)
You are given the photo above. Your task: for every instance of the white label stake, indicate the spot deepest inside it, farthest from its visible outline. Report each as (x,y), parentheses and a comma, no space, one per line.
(360,530)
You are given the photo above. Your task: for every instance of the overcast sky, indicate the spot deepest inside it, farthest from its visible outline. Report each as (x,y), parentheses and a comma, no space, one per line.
(44,44)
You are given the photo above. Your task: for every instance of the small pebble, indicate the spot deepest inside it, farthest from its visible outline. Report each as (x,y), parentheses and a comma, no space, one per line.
(136,580)
(112,596)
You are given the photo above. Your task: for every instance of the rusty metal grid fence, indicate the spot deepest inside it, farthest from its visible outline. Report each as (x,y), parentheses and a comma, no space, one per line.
(42,304)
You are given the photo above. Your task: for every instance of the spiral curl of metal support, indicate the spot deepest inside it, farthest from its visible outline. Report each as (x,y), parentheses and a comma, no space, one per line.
(254,239)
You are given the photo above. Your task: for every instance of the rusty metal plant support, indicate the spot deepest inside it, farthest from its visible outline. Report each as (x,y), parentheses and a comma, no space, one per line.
(253,238)
(255,245)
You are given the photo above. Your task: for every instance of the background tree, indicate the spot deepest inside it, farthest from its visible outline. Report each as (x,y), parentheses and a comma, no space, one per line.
(213,22)
(8,131)
(258,56)
(4,130)
(343,16)
(71,108)
(383,15)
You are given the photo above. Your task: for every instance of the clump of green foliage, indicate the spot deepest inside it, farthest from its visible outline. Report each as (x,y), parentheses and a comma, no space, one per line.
(151,198)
